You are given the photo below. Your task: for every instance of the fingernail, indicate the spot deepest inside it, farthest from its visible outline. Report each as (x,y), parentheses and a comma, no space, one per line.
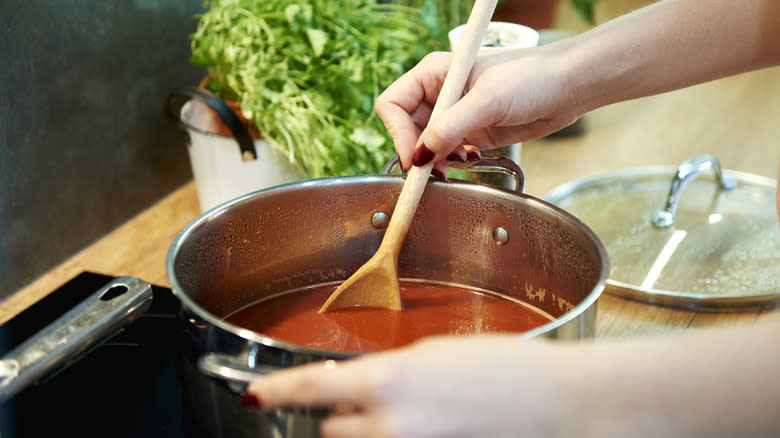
(472,156)
(401,165)
(455,157)
(250,401)
(439,174)
(422,156)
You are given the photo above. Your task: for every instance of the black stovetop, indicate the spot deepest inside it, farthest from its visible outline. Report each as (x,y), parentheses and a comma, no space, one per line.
(127,387)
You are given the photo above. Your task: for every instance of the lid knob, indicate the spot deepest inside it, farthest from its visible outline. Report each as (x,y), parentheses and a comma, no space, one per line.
(686,173)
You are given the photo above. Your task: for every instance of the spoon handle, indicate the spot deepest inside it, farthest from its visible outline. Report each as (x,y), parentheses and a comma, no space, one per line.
(451,91)
(465,55)
(412,191)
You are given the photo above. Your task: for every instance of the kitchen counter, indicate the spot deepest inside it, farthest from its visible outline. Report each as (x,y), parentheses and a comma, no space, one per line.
(735,119)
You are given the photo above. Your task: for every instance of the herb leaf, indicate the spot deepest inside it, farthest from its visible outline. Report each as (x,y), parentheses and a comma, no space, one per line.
(307,72)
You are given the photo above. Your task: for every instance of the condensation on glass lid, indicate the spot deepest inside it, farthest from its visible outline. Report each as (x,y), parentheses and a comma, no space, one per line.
(724,244)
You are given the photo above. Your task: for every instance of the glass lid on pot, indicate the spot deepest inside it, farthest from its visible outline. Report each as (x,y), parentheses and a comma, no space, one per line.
(693,236)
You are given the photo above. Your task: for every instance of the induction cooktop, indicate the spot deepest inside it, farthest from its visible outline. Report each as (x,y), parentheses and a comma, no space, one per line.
(126,387)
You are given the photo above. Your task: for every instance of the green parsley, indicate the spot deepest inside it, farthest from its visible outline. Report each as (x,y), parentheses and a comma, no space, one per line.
(307,72)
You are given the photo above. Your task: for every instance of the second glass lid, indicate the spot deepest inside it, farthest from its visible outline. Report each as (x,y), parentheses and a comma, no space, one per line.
(692,236)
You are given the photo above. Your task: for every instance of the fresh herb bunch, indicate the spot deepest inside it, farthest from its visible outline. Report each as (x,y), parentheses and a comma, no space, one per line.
(585,9)
(307,72)
(452,13)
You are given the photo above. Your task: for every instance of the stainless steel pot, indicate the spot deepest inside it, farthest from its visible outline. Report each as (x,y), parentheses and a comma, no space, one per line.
(320,231)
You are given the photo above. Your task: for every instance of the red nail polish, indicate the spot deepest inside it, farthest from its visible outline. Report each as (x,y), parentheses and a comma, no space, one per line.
(455,157)
(472,156)
(401,164)
(439,174)
(250,401)
(422,156)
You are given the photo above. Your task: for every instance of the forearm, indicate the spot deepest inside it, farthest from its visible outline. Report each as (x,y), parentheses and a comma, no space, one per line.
(718,383)
(669,45)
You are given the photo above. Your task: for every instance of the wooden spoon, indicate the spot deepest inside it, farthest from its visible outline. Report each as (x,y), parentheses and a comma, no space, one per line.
(376,284)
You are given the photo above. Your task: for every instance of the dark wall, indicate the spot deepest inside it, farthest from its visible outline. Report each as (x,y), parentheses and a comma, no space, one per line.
(84,144)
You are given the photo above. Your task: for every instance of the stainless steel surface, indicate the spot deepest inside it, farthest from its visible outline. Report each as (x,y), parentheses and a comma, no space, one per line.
(321,231)
(77,331)
(489,165)
(687,171)
(721,253)
(230,369)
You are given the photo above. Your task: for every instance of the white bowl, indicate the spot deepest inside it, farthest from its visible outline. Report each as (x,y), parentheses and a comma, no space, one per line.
(500,36)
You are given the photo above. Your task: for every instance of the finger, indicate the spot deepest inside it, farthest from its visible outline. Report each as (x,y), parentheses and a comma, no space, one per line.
(530,131)
(440,170)
(450,127)
(402,130)
(348,426)
(422,114)
(546,126)
(458,154)
(345,409)
(473,153)
(420,84)
(405,106)
(420,117)
(317,385)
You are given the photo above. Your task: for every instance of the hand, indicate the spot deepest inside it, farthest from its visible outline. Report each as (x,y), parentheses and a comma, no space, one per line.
(510,97)
(492,386)
(502,386)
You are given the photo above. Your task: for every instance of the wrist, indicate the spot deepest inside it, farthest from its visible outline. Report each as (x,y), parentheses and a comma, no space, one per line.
(594,79)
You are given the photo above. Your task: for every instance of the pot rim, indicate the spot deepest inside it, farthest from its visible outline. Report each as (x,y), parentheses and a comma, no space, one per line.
(588,302)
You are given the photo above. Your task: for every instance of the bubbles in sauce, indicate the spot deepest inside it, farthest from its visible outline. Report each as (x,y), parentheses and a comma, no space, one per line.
(429,309)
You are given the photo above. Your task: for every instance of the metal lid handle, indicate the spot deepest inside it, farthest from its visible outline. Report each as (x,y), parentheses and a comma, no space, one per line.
(686,173)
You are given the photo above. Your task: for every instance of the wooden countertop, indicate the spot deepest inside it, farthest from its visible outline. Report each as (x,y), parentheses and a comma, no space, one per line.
(735,119)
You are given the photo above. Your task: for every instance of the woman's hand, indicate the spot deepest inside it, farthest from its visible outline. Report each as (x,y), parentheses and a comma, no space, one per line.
(529,93)
(485,386)
(510,97)
(713,383)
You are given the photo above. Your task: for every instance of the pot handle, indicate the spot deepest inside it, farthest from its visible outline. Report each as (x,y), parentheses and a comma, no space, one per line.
(230,369)
(686,173)
(216,103)
(78,331)
(488,163)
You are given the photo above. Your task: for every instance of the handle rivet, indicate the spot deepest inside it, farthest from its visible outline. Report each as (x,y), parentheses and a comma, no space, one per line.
(247,156)
(500,236)
(380,220)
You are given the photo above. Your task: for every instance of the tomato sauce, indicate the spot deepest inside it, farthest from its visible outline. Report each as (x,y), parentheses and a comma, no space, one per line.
(429,309)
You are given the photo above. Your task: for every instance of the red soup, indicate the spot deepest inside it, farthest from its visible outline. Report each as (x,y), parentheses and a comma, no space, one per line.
(429,309)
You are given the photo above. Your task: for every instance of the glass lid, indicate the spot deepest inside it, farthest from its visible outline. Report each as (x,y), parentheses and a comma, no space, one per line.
(683,236)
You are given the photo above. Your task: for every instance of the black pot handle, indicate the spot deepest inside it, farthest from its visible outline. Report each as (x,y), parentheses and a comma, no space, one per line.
(216,103)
